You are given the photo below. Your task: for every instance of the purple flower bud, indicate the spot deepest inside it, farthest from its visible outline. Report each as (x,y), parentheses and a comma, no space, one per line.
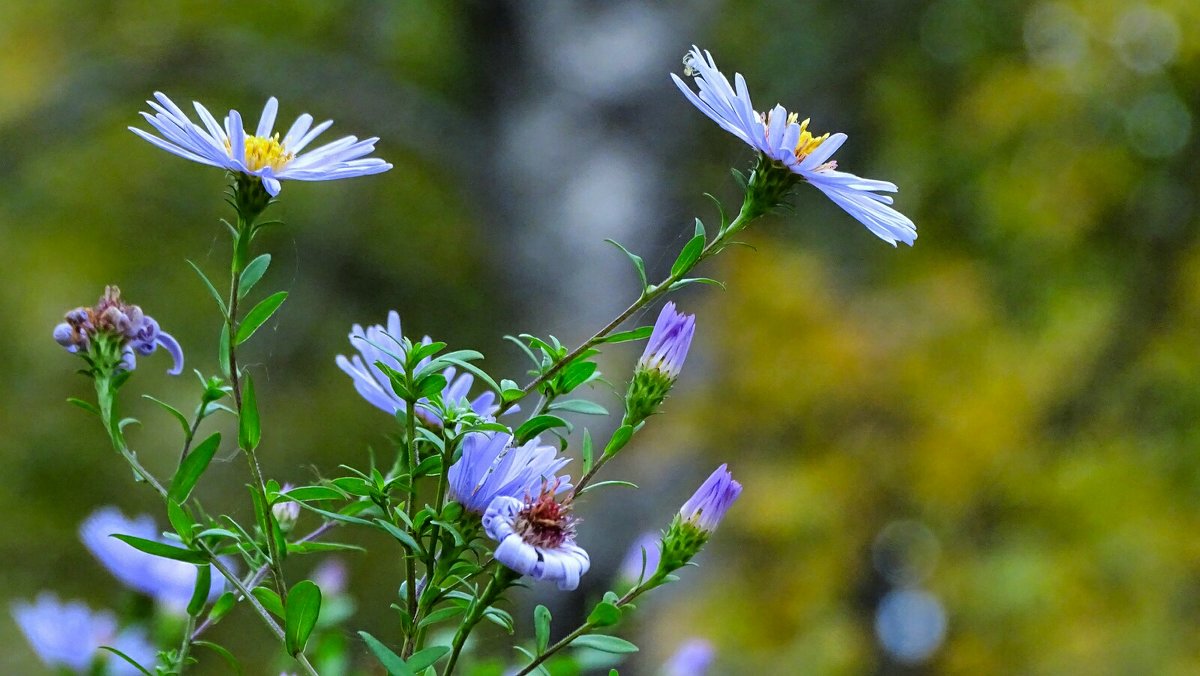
(709,503)
(669,342)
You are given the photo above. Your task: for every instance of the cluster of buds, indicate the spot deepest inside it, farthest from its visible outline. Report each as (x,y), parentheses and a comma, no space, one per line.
(660,364)
(698,518)
(113,332)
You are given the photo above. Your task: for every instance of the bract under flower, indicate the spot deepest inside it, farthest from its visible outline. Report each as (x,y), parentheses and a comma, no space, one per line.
(264,154)
(780,137)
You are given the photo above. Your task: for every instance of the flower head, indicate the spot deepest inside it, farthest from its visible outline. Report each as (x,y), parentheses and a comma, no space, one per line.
(69,635)
(115,331)
(536,537)
(286,512)
(264,155)
(784,142)
(374,345)
(698,518)
(491,467)
(660,364)
(692,658)
(168,581)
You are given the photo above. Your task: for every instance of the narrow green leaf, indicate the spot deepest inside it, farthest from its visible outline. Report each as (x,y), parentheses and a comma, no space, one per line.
(200,591)
(211,289)
(430,385)
(253,272)
(607,644)
(579,406)
(601,484)
(161,549)
(390,660)
(423,659)
(303,607)
(192,468)
(619,438)
(180,521)
(90,408)
(478,372)
(258,315)
(696,280)
(587,451)
(501,618)
(604,615)
(637,261)
(249,433)
(269,600)
(315,493)
(538,424)
(441,615)
(640,333)
(183,421)
(223,350)
(224,604)
(127,658)
(541,627)
(312,546)
(404,538)
(688,256)
(699,228)
(225,654)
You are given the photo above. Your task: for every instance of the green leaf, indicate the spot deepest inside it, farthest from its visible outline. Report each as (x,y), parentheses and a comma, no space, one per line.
(161,549)
(404,538)
(601,484)
(607,644)
(211,289)
(579,406)
(541,627)
(315,493)
(127,658)
(538,424)
(576,374)
(441,615)
(192,467)
(640,333)
(224,604)
(419,352)
(90,408)
(430,385)
(303,607)
(225,654)
(183,422)
(249,433)
(390,660)
(699,228)
(423,659)
(200,591)
(478,372)
(689,255)
(258,315)
(695,280)
(619,438)
(500,617)
(637,261)
(180,521)
(604,615)
(253,272)
(223,349)
(587,451)
(269,600)
(310,547)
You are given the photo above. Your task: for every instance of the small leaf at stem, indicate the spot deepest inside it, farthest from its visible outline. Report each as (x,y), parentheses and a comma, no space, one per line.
(162,550)
(619,438)
(607,644)
(688,256)
(90,408)
(180,520)
(211,289)
(223,349)
(225,654)
(191,469)
(638,263)
(579,406)
(604,615)
(127,658)
(258,315)
(587,451)
(269,600)
(390,660)
(183,422)
(541,628)
(303,607)
(426,658)
(640,333)
(224,604)
(249,433)
(253,272)
(200,591)
(538,424)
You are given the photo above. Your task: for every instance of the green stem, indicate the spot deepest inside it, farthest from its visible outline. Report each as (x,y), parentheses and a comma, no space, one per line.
(649,295)
(181,656)
(410,558)
(500,581)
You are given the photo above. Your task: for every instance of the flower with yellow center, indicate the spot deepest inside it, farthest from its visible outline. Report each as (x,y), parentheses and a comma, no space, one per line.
(786,144)
(264,154)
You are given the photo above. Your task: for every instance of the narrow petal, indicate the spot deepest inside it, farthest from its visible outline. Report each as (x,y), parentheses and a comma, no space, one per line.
(267,121)
(171,345)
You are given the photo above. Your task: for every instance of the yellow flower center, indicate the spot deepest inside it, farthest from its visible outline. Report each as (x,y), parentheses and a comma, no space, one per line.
(265,152)
(807,142)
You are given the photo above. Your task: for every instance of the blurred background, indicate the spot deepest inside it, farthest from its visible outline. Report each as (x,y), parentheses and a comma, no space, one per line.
(978,455)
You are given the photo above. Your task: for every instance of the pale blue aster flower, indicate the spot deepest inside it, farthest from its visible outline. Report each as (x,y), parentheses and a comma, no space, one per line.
(490,467)
(64,635)
(708,504)
(693,658)
(382,344)
(782,138)
(536,537)
(642,559)
(135,332)
(263,155)
(168,581)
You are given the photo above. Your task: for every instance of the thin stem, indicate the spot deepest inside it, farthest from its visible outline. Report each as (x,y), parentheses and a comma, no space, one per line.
(500,581)
(185,646)
(648,296)
(410,558)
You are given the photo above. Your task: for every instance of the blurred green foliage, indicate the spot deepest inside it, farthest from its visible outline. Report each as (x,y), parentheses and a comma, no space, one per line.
(1020,382)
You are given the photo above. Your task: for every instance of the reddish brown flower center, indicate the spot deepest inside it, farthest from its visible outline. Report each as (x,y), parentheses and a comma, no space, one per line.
(544,522)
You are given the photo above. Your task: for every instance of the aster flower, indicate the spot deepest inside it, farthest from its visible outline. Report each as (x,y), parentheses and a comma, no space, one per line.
(116,325)
(785,142)
(374,344)
(168,581)
(286,512)
(642,558)
(698,518)
(490,467)
(693,658)
(263,155)
(536,537)
(64,635)
(660,364)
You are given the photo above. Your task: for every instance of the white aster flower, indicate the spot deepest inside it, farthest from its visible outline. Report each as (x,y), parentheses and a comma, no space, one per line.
(784,139)
(263,155)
